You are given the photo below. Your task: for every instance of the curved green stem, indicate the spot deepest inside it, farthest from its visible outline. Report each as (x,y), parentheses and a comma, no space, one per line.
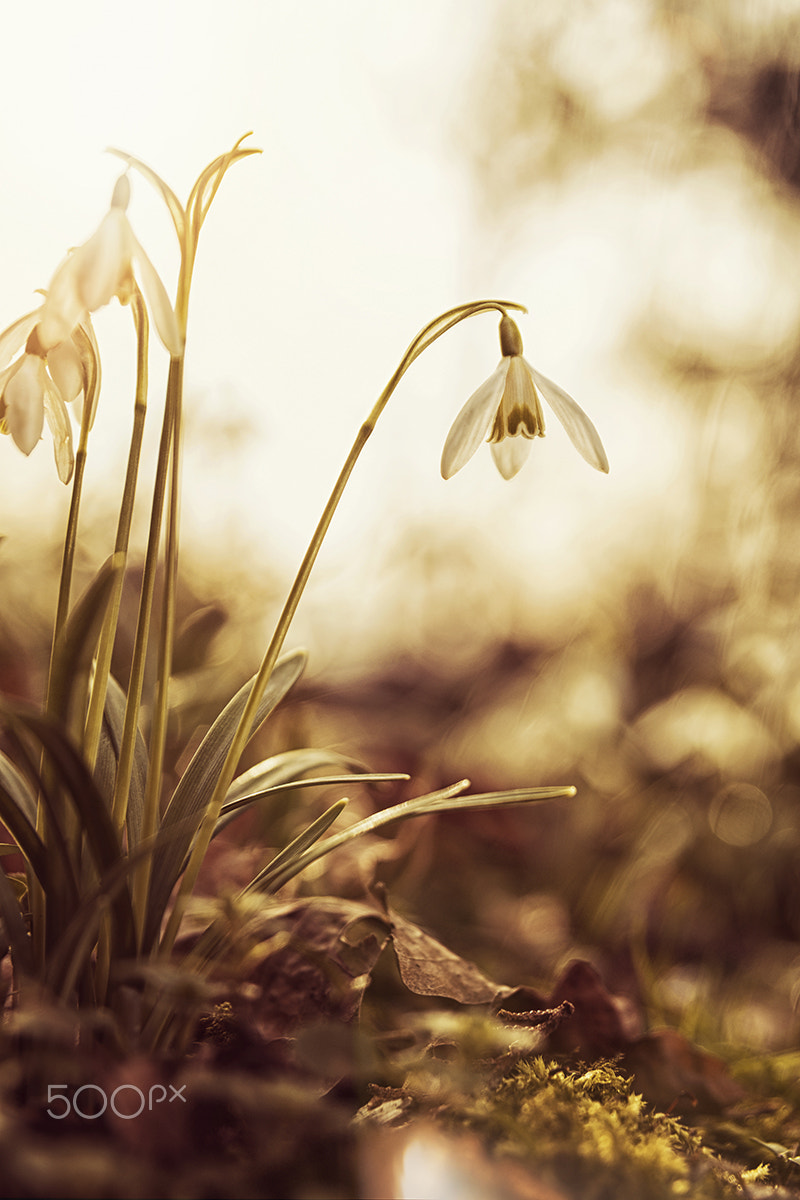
(188,223)
(142,637)
(421,342)
(169,456)
(37,897)
(70,538)
(94,721)
(166,640)
(158,733)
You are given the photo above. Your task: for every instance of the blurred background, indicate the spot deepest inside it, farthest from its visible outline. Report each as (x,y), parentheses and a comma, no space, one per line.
(628,170)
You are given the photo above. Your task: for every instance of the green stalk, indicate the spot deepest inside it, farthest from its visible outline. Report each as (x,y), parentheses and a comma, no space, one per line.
(91,382)
(37,897)
(421,342)
(94,721)
(169,455)
(158,733)
(136,685)
(71,536)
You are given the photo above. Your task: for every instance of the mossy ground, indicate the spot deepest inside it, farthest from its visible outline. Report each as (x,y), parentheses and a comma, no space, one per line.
(584,1132)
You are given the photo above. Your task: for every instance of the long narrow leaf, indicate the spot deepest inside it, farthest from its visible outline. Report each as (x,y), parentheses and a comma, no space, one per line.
(105,772)
(211,938)
(168,196)
(95,820)
(234,807)
(308,837)
(24,834)
(14,925)
(74,649)
(446,800)
(56,870)
(208,181)
(287,770)
(270,880)
(18,814)
(79,937)
(286,766)
(17,789)
(196,786)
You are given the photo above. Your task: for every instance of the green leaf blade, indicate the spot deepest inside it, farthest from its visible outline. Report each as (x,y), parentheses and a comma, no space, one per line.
(186,809)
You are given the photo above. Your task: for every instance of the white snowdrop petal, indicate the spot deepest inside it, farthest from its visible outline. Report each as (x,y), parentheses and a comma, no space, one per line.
(88,352)
(62,308)
(102,263)
(158,302)
(510,455)
(519,390)
(121,196)
(64,365)
(15,337)
(580,430)
(474,422)
(24,400)
(58,421)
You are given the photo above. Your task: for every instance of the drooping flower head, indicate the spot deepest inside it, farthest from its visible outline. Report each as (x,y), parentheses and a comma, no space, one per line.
(103,267)
(38,385)
(507,412)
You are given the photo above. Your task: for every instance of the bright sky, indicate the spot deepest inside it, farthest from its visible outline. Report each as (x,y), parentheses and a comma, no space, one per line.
(318,264)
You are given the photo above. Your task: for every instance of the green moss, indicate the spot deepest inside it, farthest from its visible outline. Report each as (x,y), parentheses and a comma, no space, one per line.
(765,1128)
(587,1132)
(770,1074)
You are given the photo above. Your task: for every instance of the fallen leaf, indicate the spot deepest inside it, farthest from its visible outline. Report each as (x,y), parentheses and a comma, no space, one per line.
(674,1075)
(602,1024)
(669,1071)
(429,969)
(324,967)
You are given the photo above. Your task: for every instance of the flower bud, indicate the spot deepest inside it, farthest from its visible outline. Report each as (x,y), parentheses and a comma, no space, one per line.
(34,344)
(121,195)
(510,337)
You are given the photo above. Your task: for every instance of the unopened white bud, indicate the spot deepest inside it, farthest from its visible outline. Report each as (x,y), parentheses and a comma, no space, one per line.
(121,196)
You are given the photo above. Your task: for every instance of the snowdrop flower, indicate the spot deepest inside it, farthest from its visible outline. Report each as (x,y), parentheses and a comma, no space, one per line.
(39,384)
(507,412)
(101,269)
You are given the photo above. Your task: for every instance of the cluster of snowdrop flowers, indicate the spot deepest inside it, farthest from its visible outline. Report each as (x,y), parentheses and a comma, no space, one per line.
(506,411)
(41,382)
(60,358)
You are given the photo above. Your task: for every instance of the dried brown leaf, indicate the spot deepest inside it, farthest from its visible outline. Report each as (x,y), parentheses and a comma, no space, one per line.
(669,1071)
(429,969)
(323,969)
(675,1075)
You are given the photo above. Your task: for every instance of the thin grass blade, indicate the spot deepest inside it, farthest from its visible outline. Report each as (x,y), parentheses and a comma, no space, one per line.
(285,767)
(50,861)
(208,181)
(170,199)
(24,833)
(210,939)
(17,789)
(308,837)
(105,772)
(77,942)
(95,820)
(232,808)
(74,649)
(446,800)
(190,799)
(15,928)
